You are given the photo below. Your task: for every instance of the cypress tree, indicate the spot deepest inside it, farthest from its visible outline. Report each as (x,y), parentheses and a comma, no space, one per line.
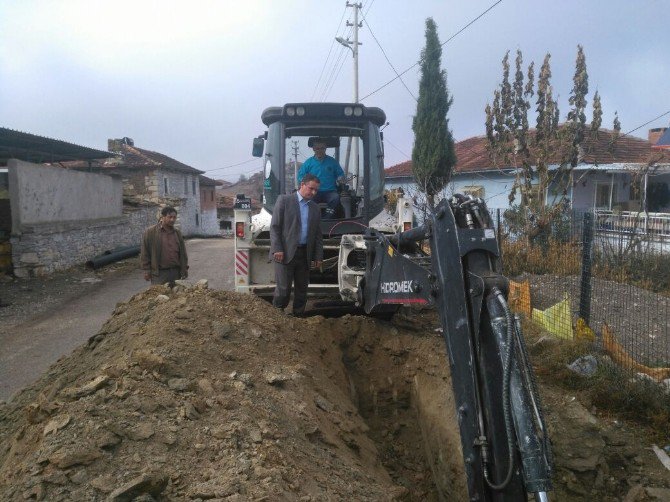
(433,154)
(577,116)
(597,120)
(616,132)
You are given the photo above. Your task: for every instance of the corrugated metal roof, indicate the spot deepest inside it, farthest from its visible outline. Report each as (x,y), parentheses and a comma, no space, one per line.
(40,149)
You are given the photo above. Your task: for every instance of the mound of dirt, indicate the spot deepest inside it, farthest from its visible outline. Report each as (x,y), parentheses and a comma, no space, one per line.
(194,394)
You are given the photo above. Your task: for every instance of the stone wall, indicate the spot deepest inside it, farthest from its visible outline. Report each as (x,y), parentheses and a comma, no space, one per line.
(181,186)
(209,224)
(44,248)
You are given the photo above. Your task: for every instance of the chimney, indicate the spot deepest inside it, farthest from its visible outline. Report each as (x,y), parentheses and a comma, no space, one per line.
(655,134)
(116,145)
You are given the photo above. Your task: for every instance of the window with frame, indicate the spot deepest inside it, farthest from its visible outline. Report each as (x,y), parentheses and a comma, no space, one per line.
(605,195)
(193,185)
(165,186)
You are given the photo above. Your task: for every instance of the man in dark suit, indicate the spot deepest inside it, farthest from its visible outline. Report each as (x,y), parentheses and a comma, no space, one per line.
(295,243)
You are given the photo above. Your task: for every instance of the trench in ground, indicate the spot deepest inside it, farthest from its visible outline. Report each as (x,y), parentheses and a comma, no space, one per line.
(400,385)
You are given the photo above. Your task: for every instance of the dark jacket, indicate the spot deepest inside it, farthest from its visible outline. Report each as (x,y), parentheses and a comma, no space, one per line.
(285,229)
(150,255)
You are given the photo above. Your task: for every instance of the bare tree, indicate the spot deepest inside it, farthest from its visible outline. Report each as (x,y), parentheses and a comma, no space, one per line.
(543,158)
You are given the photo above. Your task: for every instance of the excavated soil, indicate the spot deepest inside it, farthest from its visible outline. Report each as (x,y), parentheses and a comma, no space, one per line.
(196,394)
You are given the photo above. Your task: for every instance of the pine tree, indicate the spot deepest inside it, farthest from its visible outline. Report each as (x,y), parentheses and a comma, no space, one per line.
(433,154)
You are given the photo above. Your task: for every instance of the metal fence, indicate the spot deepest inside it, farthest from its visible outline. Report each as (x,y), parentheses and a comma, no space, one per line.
(611,270)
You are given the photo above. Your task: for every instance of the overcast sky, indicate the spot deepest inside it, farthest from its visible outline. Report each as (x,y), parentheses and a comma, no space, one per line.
(190,79)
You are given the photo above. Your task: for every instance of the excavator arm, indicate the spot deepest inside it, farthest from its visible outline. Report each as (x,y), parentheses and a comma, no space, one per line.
(506,449)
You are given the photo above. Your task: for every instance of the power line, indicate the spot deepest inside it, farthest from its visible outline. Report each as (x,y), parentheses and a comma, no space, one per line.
(337,65)
(387,141)
(368,9)
(387,58)
(332,75)
(325,63)
(441,45)
(232,165)
(336,69)
(336,74)
(646,123)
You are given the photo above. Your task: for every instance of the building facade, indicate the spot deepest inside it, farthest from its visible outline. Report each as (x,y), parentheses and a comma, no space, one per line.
(614,174)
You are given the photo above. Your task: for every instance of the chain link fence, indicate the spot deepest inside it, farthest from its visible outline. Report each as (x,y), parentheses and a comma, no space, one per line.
(597,275)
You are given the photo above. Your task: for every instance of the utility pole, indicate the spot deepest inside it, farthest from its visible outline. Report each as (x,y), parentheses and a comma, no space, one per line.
(353,45)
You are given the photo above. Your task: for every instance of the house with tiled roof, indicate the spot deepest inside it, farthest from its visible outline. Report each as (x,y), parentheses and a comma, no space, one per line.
(154,178)
(615,173)
(52,218)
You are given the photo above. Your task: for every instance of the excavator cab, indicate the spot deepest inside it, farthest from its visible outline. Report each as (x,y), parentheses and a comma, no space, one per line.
(352,135)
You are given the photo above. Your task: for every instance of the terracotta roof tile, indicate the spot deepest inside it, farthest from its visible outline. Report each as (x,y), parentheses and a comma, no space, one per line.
(472,154)
(139,157)
(134,157)
(209,182)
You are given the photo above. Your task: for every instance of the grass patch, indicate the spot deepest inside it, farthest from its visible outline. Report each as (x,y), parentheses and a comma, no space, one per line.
(554,257)
(609,390)
(650,271)
(647,271)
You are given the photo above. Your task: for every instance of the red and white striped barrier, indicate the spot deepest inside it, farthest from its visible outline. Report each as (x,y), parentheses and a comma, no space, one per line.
(242,267)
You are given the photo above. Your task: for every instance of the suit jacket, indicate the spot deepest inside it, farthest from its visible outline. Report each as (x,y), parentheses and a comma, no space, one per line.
(285,229)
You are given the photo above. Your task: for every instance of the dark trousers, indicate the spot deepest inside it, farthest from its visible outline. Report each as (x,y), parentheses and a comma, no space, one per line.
(330,197)
(294,272)
(166,276)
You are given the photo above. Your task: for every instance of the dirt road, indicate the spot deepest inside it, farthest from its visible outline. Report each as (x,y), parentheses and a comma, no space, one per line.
(49,318)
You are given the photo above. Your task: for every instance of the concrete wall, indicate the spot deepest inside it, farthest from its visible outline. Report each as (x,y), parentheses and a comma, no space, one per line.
(40,194)
(48,247)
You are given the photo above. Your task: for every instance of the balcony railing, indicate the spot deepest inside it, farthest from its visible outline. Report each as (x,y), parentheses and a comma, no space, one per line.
(633,222)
